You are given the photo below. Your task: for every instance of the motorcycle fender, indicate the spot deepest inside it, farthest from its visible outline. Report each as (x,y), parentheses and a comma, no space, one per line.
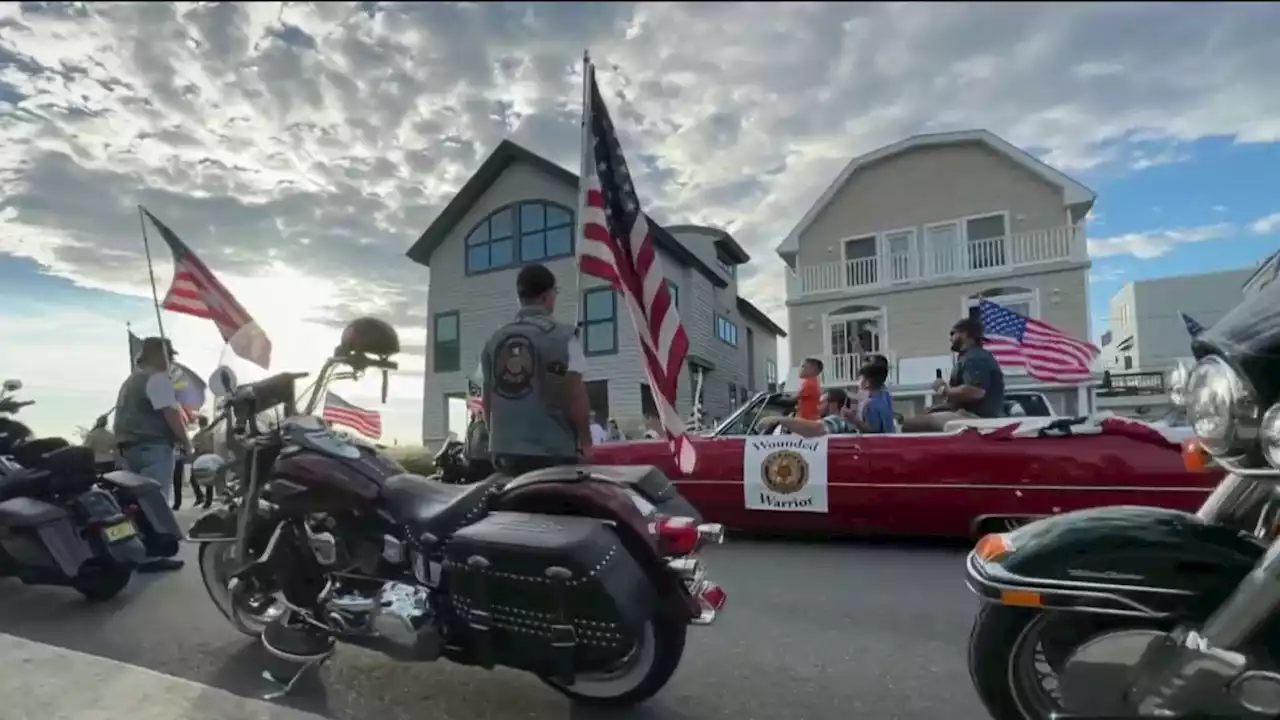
(41,534)
(156,518)
(217,525)
(125,552)
(1122,560)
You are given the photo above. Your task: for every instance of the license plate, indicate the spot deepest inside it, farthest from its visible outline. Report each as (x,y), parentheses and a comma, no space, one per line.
(123,531)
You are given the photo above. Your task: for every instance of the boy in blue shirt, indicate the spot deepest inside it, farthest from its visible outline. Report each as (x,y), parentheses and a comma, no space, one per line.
(875,413)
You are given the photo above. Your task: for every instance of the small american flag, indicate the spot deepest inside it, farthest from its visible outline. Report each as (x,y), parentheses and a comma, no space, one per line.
(1047,353)
(196,292)
(341,412)
(475,401)
(1194,328)
(617,246)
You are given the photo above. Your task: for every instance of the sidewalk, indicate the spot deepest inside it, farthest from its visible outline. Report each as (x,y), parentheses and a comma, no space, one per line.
(43,682)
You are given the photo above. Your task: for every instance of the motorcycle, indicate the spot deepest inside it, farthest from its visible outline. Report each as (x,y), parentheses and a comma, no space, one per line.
(56,526)
(587,577)
(1140,611)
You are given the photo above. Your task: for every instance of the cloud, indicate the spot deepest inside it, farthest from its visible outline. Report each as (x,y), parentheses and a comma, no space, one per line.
(320,139)
(1155,243)
(1265,225)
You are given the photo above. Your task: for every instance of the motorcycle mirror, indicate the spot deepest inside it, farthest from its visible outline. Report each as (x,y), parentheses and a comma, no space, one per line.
(222,382)
(1178,384)
(12,385)
(384,387)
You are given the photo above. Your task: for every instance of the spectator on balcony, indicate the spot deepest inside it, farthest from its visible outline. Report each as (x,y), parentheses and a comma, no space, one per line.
(807,405)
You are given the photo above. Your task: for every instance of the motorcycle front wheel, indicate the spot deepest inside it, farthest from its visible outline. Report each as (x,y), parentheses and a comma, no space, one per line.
(637,677)
(249,610)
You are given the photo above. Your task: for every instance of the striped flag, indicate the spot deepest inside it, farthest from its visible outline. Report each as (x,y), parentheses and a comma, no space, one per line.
(617,246)
(1193,328)
(340,412)
(1047,353)
(196,292)
(188,387)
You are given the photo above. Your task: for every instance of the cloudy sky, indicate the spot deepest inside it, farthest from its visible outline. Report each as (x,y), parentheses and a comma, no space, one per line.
(300,148)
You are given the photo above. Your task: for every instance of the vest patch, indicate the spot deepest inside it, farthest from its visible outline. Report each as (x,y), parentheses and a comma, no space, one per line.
(514,364)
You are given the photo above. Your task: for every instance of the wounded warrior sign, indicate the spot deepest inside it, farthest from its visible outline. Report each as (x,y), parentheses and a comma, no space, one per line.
(785,472)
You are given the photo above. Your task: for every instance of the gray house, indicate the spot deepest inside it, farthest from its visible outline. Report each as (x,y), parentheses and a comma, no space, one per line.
(519,208)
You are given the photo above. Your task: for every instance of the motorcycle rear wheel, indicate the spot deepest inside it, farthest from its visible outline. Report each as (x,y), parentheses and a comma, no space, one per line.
(639,676)
(103,582)
(249,615)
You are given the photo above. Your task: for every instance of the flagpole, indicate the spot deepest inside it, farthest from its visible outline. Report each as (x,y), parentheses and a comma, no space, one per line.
(151,270)
(585,166)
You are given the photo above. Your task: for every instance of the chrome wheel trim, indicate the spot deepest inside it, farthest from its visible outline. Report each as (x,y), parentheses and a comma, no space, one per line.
(214,572)
(626,675)
(1029,673)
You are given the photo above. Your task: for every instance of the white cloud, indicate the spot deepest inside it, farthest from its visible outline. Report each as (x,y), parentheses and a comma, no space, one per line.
(1265,225)
(1154,243)
(323,138)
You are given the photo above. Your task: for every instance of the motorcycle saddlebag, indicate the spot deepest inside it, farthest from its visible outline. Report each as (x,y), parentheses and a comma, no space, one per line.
(156,522)
(646,480)
(607,601)
(41,536)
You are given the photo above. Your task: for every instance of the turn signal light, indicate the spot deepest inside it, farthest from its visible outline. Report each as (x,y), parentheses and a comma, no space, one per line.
(992,547)
(1194,457)
(678,536)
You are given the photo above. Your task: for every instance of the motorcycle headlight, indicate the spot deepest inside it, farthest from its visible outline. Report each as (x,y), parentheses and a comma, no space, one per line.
(1269,432)
(1221,408)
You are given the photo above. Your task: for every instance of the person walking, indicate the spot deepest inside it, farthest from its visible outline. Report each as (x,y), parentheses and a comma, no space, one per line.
(103,444)
(148,425)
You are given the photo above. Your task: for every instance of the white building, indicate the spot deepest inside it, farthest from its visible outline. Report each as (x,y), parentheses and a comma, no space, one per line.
(909,237)
(519,208)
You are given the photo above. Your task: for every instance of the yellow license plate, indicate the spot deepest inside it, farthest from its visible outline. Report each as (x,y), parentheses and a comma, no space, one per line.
(123,531)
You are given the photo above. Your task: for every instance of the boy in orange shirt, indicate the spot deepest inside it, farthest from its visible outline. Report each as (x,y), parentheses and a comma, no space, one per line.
(810,390)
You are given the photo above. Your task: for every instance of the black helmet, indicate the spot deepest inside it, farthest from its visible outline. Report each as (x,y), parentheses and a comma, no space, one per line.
(369,336)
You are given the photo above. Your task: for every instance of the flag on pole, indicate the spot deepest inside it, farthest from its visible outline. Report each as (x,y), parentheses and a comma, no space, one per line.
(197,292)
(340,412)
(617,246)
(1193,328)
(1047,353)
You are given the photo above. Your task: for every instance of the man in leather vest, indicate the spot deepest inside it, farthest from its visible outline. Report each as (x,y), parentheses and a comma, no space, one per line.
(148,425)
(535,400)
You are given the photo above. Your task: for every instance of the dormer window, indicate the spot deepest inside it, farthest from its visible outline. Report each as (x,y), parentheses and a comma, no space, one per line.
(727,265)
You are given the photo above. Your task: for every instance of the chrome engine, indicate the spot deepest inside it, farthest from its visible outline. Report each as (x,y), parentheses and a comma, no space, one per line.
(397,621)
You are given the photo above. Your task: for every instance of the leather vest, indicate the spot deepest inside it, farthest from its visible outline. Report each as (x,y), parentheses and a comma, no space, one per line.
(525,366)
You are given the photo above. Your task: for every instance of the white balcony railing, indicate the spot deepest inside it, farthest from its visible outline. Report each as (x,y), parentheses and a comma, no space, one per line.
(964,259)
(842,370)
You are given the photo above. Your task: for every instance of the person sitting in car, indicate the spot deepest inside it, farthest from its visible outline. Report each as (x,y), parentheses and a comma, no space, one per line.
(873,413)
(832,422)
(976,389)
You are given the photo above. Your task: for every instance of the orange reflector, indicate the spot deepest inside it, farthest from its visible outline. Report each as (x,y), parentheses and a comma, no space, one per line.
(992,547)
(1021,598)
(1194,457)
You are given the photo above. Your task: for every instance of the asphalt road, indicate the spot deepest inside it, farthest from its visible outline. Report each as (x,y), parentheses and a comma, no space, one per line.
(812,631)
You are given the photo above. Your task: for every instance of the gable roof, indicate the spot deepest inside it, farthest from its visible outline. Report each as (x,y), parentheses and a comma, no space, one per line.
(490,170)
(720,237)
(1073,193)
(757,316)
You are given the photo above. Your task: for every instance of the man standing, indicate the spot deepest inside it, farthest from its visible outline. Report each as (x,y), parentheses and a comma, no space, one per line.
(103,444)
(976,389)
(535,400)
(148,424)
(807,405)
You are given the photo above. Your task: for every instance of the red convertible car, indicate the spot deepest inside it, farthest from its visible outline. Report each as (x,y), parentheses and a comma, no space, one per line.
(976,477)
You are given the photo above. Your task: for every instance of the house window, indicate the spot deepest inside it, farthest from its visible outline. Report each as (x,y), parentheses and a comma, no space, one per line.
(898,255)
(526,232)
(985,241)
(942,243)
(600,322)
(860,261)
(726,265)
(674,289)
(733,395)
(1128,362)
(446,341)
(726,330)
(598,399)
(1023,301)
(771,375)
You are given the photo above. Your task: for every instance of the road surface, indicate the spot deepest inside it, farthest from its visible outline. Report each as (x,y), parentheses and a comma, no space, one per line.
(812,630)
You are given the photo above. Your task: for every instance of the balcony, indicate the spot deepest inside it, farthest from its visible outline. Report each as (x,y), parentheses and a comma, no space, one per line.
(842,370)
(890,265)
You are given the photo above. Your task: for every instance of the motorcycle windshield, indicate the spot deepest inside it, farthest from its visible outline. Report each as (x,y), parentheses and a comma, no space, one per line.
(1250,330)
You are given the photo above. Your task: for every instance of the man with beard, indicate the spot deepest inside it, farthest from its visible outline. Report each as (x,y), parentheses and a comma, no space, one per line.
(976,389)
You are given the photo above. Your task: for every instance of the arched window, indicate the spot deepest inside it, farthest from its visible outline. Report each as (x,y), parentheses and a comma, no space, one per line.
(1022,300)
(533,231)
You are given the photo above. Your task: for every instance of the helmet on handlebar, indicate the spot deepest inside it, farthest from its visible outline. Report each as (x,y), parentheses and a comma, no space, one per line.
(368,336)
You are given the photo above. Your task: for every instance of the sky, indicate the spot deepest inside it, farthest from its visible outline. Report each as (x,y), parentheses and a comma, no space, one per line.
(300,148)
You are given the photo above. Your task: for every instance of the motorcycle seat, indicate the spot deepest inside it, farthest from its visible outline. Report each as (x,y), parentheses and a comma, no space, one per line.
(24,483)
(429,506)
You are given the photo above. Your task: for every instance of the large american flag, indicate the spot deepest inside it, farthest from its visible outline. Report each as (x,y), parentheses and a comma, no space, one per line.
(617,246)
(1047,353)
(340,412)
(196,291)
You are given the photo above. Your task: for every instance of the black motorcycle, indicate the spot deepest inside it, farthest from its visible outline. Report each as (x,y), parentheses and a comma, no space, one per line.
(1141,611)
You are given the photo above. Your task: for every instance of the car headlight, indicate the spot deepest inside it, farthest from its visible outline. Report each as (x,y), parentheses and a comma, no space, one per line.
(1221,408)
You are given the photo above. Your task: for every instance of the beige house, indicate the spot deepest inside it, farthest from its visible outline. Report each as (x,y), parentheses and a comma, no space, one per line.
(519,208)
(910,236)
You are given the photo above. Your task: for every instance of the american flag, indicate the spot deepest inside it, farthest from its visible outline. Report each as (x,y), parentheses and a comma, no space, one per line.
(617,246)
(1194,328)
(1047,353)
(195,291)
(475,401)
(341,412)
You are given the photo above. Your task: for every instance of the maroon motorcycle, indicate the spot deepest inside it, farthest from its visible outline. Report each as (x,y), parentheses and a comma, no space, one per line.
(585,576)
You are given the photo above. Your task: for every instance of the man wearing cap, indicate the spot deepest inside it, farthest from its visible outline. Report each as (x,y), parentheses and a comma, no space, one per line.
(148,426)
(535,400)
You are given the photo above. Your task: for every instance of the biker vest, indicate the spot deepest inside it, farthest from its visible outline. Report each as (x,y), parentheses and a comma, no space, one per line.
(526,365)
(136,421)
